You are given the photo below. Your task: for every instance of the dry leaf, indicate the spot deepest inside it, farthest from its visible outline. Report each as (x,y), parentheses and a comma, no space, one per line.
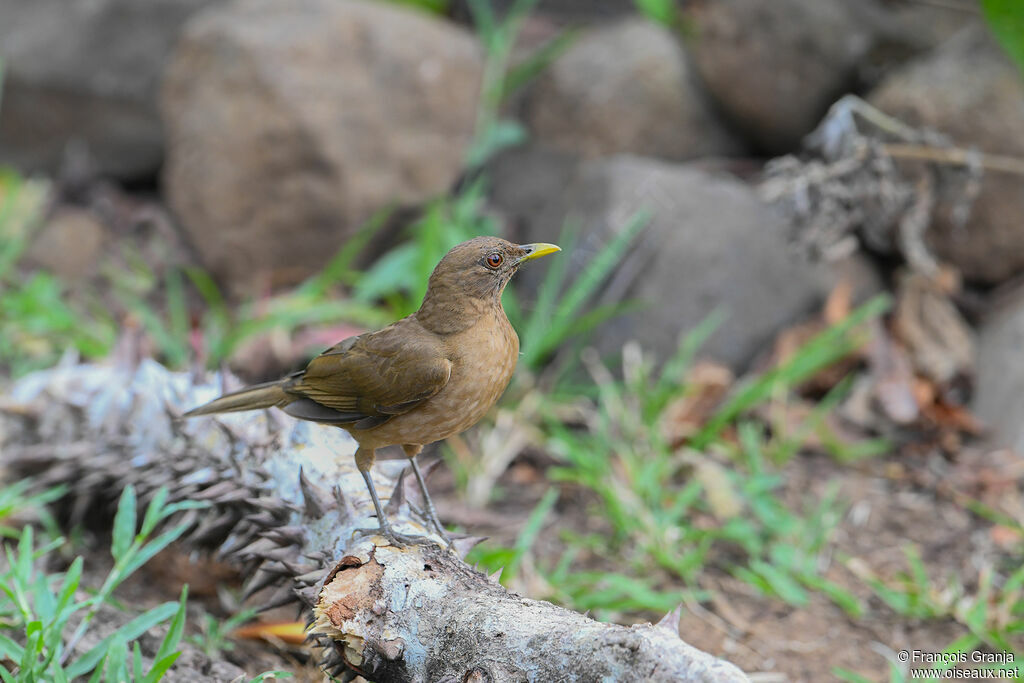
(707,383)
(892,377)
(722,498)
(291,632)
(940,342)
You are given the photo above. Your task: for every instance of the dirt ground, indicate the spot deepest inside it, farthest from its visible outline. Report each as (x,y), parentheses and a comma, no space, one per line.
(889,502)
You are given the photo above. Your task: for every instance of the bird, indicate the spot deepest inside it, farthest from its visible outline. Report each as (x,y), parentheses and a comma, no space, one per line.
(424,378)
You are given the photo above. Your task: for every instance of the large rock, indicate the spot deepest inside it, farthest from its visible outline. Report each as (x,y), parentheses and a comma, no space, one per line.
(290,123)
(71,244)
(775,67)
(86,72)
(999,389)
(561,11)
(627,87)
(711,244)
(969,90)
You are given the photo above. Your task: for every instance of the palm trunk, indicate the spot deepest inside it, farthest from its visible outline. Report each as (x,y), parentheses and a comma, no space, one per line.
(285,498)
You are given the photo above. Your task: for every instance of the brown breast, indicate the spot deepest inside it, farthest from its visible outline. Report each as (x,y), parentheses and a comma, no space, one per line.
(483,358)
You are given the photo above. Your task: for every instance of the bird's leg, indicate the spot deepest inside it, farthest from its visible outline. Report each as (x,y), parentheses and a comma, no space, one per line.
(364,460)
(412,450)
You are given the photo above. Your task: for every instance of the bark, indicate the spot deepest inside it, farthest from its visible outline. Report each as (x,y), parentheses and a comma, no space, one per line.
(284,499)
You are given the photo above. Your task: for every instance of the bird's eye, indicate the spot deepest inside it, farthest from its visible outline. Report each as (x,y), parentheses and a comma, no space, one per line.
(494,260)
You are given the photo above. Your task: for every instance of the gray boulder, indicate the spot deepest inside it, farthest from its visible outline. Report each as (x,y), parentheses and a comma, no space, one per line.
(710,244)
(86,73)
(775,67)
(626,87)
(290,123)
(969,90)
(999,388)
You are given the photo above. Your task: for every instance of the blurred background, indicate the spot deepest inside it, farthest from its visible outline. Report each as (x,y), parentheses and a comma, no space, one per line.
(774,376)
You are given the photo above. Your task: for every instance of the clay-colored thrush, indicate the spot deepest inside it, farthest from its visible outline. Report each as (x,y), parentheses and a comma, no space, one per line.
(422,379)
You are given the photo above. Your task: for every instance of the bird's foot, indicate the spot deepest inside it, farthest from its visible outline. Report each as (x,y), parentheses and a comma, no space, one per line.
(443,534)
(434,522)
(395,538)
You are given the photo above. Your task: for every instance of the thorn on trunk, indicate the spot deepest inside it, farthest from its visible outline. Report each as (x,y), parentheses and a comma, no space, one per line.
(313,497)
(397,496)
(280,599)
(670,622)
(286,535)
(463,545)
(344,511)
(264,520)
(260,580)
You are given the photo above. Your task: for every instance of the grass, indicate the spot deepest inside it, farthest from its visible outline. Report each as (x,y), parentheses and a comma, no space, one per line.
(1005,18)
(993,613)
(45,614)
(38,607)
(37,324)
(670,514)
(214,635)
(664,12)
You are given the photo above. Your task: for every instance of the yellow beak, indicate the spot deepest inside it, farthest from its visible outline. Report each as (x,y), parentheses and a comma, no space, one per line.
(537,250)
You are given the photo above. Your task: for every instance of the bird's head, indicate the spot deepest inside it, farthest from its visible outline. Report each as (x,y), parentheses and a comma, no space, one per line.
(480,268)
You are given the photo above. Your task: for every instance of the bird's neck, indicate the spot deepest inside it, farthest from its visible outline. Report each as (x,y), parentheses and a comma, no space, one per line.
(445,313)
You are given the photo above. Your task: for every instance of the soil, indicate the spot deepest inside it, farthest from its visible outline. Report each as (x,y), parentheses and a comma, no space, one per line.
(888,504)
(891,504)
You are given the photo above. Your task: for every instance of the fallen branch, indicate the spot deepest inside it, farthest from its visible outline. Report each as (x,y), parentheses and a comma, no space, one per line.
(285,497)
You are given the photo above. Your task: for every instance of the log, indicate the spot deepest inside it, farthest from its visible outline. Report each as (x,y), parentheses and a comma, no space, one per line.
(284,498)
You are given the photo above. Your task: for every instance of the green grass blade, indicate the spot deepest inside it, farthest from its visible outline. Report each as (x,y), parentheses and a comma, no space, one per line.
(160,667)
(10,649)
(340,268)
(130,631)
(1005,19)
(823,350)
(137,672)
(663,12)
(154,512)
(522,73)
(117,661)
(153,547)
(124,524)
(528,536)
(174,633)
(595,272)
(532,329)
(270,675)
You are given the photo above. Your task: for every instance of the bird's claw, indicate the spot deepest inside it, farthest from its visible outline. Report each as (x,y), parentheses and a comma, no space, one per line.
(395,538)
(434,522)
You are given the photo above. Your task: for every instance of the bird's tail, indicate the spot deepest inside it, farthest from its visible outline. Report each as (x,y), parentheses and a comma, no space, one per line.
(251,398)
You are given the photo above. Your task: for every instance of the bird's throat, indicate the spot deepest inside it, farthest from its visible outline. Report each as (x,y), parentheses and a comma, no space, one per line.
(453,314)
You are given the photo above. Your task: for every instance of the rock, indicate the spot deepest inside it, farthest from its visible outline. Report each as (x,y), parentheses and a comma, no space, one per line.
(70,245)
(999,387)
(711,244)
(524,180)
(562,11)
(626,87)
(289,124)
(775,67)
(88,73)
(944,90)
(903,30)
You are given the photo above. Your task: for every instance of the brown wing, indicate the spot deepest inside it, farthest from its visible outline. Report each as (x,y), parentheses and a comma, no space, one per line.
(370,378)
